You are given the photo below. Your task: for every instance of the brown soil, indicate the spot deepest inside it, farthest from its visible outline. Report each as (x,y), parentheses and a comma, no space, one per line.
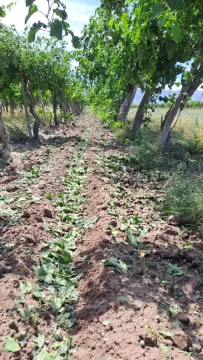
(144,313)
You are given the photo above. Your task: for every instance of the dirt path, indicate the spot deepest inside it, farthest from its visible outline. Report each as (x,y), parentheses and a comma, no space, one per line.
(140,292)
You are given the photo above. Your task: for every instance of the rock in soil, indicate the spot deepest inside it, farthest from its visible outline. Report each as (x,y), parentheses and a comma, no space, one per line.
(13,326)
(30,239)
(11,188)
(113,223)
(184,318)
(182,340)
(148,339)
(25,214)
(3,268)
(197,347)
(47,212)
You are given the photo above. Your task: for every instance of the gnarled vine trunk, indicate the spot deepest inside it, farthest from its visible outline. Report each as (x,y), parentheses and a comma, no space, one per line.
(33,112)
(12,105)
(43,107)
(139,116)
(23,82)
(76,108)
(127,105)
(186,91)
(5,138)
(56,122)
(66,107)
(6,104)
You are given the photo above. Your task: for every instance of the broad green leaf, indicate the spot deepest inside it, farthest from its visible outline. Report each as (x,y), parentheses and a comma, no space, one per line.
(20,300)
(76,42)
(175,4)
(61,13)
(56,345)
(90,222)
(58,335)
(153,332)
(22,339)
(29,2)
(56,303)
(117,265)
(35,318)
(188,246)
(48,278)
(122,299)
(176,32)
(174,270)
(166,334)
(163,348)
(11,345)
(32,10)
(50,268)
(56,29)
(133,240)
(38,295)
(161,21)
(34,29)
(124,227)
(49,196)
(2,12)
(25,313)
(177,292)
(40,272)
(39,340)
(157,9)
(44,355)
(26,287)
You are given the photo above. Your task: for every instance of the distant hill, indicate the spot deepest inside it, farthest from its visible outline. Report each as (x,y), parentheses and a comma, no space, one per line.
(198,95)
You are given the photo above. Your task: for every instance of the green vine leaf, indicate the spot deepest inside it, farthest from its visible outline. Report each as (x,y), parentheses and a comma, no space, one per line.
(56,29)
(29,2)
(11,345)
(175,4)
(176,32)
(32,10)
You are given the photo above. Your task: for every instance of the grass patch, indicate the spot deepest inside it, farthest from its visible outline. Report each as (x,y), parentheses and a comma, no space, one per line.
(190,119)
(183,151)
(16,127)
(178,168)
(184,198)
(123,134)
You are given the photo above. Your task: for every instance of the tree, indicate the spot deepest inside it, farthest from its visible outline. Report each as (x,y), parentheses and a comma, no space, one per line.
(114,58)
(9,55)
(116,47)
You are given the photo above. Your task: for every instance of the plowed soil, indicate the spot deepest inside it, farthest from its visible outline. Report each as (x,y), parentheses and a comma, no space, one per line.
(141,291)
